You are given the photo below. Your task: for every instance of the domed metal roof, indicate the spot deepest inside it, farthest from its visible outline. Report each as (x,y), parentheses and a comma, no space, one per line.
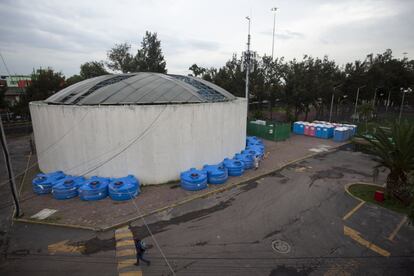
(140,88)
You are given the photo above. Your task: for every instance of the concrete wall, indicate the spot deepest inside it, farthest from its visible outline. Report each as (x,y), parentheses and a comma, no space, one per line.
(153,142)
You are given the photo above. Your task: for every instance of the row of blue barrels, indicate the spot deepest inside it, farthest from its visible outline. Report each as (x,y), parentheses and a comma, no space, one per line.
(63,186)
(195,180)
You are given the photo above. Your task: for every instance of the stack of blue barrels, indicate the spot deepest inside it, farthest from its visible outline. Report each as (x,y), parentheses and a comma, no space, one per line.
(194,180)
(254,143)
(246,158)
(67,187)
(44,182)
(124,188)
(235,167)
(95,188)
(216,174)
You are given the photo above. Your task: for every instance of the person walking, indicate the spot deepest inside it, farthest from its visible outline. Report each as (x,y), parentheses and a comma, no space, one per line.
(141,247)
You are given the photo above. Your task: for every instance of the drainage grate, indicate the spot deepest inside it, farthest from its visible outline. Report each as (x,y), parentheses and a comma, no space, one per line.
(280,246)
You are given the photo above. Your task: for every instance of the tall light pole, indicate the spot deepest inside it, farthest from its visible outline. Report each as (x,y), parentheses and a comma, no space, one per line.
(247,59)
(356,100)
(274,9)
(332,101)
(408,90)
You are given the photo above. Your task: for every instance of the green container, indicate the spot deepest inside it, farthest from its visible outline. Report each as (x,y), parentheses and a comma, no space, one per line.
(269,130)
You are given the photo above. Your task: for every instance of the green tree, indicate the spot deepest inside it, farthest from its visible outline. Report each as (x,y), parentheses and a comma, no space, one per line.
(120,59)
(3,89)
(92,69)
(73,79)
(150,58)
(45,82)
(395,151)
(197,71)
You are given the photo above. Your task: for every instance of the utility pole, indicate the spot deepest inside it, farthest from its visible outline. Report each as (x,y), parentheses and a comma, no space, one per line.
(409,90)
(274,27)
(247,59)
(356,100)
(6,154)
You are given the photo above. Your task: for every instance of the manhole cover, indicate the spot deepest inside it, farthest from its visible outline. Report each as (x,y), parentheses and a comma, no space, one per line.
(281,246)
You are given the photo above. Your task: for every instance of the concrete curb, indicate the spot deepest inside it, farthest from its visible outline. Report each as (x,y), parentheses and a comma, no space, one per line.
(346,187)
(189,199)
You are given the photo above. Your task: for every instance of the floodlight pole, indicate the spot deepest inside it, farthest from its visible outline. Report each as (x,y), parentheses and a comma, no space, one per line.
(274,26)
(247,58)
(356,100)
(402,101)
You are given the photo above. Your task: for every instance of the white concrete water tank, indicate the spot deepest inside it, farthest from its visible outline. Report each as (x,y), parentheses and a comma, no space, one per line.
(151,125)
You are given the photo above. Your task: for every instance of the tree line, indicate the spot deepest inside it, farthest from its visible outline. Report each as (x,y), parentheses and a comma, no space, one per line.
(306,84)
(300,85)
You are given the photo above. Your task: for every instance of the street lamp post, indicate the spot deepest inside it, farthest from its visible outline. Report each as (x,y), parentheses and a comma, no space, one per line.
(274,9)
(356,100)
(332,101)
(247,59)
(408,90)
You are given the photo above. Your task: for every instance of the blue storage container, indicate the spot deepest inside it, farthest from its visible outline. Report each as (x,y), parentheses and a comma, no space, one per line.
(341,134)
(194,180)
(43,182)
(352,128)
(95,188)
(67,187)
(298,128)
(124,188)
(248,159)
(234,167)
(259,150)
(216,174)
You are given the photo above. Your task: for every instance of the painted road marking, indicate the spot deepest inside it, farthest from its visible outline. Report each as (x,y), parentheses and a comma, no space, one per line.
(126,253)
(394,233)
(44,213)
(63,246)
(131,273)
(120,243)
(350,213)
(356,236)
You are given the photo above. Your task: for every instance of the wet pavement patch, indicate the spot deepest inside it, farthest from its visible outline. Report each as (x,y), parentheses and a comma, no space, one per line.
(141,232)
(249,186)
(352,171)
(284,270)
(95,245)
(277,174)
(325,174)
(200,243)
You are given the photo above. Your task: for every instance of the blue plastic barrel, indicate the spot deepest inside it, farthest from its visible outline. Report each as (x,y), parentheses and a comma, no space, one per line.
(258,149)
(248,159)
(43,182)
(341,134)
(194,180)
(67,187)
(124,188)
(216,174)
(234,167)
(95,188)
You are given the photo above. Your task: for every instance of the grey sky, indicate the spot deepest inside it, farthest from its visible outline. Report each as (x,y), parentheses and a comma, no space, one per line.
(65,34)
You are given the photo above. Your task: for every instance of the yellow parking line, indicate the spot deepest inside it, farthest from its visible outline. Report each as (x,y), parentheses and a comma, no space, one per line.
(353,234)
(125,252)
(123,235)
(394,233)
(125,243)
(131,273)
(350,213)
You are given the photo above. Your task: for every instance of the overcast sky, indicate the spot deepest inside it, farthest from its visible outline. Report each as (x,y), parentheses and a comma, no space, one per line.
(65,34)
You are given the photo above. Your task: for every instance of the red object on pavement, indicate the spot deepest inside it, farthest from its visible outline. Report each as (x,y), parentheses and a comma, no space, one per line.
(379,196)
